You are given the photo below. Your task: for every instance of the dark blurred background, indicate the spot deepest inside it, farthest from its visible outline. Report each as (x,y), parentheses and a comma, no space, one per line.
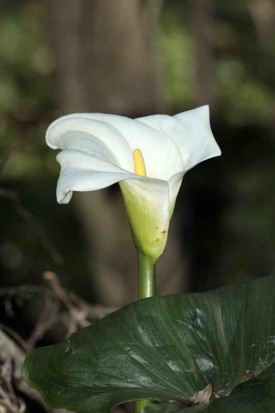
(135,58)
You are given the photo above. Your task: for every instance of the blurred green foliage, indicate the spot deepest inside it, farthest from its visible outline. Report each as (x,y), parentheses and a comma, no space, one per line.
(25,96)
(243,62)
(27,102)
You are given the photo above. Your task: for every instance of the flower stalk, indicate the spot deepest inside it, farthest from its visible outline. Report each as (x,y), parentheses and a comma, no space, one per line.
(146,276)
(146,288)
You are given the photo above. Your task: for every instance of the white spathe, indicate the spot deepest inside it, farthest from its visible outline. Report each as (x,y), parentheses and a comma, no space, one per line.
(97,151)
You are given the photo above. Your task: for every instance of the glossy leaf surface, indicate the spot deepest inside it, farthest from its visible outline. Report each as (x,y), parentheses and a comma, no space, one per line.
(163,348)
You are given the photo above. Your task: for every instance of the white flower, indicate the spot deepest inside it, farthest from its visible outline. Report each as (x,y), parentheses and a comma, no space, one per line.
(99,150)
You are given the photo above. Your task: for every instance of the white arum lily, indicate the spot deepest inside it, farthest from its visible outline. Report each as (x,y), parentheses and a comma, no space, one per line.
(148,156)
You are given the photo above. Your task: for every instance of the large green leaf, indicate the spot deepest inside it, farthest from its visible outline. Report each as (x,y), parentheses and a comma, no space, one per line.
(163,348)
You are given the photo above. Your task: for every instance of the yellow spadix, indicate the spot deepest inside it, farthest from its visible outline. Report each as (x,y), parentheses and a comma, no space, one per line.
(139,163)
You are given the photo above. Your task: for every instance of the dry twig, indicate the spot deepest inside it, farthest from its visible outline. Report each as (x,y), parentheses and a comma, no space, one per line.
(13,347)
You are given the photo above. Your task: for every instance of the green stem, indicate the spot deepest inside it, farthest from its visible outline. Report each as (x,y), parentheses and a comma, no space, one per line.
(146,276)
(146,288)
